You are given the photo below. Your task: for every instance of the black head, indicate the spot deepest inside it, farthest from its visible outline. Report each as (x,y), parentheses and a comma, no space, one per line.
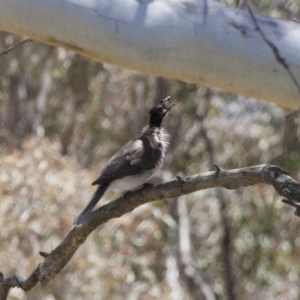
(158,112)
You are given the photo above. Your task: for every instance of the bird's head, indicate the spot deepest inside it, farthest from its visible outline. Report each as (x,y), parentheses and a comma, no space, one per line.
(158,112)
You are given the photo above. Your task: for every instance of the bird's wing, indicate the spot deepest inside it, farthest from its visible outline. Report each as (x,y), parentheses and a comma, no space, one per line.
(134,157)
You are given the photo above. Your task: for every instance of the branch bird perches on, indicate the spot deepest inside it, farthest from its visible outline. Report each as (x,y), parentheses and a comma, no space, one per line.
(54,262)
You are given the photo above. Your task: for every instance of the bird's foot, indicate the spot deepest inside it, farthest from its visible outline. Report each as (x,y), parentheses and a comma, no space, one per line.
(180,179)
(147,185)
(127,194)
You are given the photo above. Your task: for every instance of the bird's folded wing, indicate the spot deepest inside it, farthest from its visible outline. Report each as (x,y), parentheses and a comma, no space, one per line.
(133,158)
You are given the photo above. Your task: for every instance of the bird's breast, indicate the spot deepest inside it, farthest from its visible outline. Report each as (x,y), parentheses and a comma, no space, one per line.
(129,183)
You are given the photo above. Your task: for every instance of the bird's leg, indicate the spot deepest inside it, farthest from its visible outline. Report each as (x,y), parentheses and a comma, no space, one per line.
(180,179)
(127,194)
(147,185)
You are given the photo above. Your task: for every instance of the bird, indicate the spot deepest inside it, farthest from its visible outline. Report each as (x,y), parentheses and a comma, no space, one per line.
(134,164)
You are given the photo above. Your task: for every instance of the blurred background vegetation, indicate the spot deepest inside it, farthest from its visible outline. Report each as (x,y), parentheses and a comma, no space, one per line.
(62,116)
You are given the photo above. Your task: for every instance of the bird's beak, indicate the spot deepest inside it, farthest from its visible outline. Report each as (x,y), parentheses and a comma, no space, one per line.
(164,103)
(165,100)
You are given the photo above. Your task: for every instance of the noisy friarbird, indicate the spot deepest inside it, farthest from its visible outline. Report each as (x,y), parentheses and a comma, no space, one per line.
(134,164)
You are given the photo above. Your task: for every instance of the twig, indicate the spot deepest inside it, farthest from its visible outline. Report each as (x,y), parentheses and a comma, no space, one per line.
(14,46)
(218,169)
(285,186)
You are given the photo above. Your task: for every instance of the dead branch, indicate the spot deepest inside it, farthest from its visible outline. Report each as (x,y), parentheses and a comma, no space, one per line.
(7,50)
(55,261)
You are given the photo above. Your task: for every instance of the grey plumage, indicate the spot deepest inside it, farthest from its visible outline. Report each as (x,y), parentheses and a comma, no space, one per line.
(134,164)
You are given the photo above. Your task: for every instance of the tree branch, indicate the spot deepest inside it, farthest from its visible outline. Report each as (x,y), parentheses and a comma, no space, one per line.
(7,50)
(285,186)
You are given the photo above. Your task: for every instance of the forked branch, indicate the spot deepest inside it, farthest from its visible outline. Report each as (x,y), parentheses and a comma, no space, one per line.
(54,262)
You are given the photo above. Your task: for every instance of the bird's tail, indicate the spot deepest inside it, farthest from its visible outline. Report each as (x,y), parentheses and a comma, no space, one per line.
(92,203)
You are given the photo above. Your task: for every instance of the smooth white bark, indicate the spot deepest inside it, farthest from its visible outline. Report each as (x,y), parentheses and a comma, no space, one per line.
(197,41)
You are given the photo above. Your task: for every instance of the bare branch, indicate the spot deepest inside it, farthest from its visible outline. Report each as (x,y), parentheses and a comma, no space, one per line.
(14,46)
(285,186)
